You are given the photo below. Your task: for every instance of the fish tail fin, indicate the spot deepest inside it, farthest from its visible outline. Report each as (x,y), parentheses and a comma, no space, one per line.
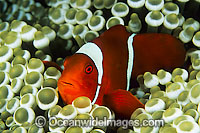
(122,102)
(52,64)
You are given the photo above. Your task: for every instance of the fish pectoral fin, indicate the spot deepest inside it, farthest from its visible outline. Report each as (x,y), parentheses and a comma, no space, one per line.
(122,102)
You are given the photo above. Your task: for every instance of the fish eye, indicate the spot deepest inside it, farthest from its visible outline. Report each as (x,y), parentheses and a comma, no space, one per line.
(88,69)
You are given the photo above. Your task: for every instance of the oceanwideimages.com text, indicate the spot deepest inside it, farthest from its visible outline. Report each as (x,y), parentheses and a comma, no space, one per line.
(58,122)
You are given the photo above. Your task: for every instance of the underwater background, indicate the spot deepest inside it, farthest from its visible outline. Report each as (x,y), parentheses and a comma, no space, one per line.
(35,31)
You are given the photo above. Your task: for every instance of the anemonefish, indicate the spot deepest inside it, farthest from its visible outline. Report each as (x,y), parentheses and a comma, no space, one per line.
(104,68)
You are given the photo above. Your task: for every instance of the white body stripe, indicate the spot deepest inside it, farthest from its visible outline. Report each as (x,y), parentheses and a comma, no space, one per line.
(130,59)
(95,53)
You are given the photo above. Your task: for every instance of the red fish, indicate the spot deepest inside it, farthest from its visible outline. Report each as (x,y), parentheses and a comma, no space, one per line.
(104,68)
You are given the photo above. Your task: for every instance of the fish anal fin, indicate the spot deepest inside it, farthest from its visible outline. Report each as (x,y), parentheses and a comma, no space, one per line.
(122,102)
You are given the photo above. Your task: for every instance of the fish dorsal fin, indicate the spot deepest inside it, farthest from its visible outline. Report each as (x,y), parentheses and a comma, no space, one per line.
(130,59)
(94,52)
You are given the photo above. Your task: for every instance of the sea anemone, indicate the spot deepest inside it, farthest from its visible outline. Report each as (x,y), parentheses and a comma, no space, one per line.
(47,98)
(67,112)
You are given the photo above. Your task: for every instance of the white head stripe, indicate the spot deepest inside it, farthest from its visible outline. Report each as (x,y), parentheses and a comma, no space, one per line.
(96,95)
(94,52)
(130,59)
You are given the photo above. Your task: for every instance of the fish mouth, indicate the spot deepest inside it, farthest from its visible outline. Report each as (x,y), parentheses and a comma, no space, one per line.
(67,83)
